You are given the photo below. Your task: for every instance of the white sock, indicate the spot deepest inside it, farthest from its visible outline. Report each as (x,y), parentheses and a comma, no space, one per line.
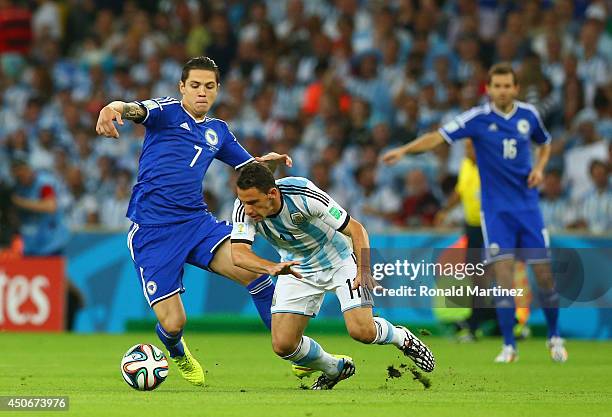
(309,353)
(387,333)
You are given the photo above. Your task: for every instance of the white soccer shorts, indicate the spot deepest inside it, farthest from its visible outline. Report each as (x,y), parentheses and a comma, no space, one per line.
(305,296)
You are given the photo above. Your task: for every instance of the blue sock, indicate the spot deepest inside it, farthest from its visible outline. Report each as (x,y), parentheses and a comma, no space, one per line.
(550,304)
(506,312)
(172,342)
(262,290)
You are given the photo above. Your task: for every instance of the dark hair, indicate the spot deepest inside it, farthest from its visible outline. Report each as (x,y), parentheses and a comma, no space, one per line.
(502,68)
(595,163)
(555,172)
(200,62)
(256,175)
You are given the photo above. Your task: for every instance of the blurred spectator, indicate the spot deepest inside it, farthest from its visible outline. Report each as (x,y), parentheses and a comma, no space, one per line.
(46,22)
(82,207)
(594,211)
(554,203)
(113,208)
(42,224)
(578,159)
(8,219)
(419,205)
(375,206)
(15,28)
(42,154)
(593,69)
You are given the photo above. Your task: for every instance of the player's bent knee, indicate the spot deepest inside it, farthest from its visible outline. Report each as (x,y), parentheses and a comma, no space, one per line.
(173,325)
(284,347)
(364,333)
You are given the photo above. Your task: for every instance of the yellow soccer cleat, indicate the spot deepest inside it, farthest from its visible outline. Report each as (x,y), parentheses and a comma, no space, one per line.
(302,371)
(189,367)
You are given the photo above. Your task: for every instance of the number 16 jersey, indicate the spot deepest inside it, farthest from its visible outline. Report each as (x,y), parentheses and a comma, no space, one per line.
(502,143)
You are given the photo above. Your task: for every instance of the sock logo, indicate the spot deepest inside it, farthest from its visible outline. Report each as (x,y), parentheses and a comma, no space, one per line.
(151,287)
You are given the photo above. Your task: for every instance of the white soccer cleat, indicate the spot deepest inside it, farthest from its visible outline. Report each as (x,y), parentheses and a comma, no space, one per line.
(347,370)
(508,354)
(556,347)
(418,351)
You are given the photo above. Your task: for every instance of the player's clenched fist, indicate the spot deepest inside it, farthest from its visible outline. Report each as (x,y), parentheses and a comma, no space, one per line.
(105,125)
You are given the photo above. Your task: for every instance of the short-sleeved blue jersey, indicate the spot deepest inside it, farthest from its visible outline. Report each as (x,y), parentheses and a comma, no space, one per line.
(503,152)
(176,153)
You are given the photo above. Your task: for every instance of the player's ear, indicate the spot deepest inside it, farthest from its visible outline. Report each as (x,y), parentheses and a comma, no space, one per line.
(181,87)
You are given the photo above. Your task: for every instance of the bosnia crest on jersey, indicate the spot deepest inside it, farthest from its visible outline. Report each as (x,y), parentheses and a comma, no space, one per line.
(523,126)
(211,137)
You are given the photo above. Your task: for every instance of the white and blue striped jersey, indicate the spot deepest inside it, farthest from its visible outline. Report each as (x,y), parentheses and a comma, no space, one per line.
(306,229)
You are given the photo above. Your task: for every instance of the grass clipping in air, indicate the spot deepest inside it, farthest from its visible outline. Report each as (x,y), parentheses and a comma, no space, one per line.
(417,375)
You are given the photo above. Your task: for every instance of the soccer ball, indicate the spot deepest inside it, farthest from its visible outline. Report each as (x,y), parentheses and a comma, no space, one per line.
(144,367)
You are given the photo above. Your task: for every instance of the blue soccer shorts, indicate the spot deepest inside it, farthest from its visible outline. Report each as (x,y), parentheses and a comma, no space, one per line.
(160,252)
(515,234)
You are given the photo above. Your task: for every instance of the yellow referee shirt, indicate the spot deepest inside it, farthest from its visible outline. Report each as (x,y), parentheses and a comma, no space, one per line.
(468,188)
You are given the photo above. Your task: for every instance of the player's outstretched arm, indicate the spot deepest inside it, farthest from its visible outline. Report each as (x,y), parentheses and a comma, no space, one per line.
(361,247)
(423,143)
(244,257)
(45,205)
(118,110)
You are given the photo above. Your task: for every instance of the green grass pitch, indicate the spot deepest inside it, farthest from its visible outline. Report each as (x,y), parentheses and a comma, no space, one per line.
(245,378)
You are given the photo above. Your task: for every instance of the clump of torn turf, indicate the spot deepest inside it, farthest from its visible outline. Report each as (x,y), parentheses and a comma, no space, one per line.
(424,332)
(304,386)
(393,372)
(419,376)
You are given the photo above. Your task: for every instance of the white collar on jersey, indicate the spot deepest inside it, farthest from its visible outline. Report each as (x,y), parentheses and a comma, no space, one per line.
(506,116)
(191,115)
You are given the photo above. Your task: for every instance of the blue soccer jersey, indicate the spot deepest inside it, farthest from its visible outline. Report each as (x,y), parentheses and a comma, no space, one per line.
(503,151)
(176,153)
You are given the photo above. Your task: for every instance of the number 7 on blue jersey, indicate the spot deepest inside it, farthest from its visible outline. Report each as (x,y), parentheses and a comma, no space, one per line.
(195,158)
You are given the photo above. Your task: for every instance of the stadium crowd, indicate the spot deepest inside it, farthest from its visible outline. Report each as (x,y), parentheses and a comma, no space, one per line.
(332,83)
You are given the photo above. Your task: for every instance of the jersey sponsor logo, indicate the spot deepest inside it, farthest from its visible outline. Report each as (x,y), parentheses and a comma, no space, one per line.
(335,212)
(523,126)
(492,127)
(297,218)
(211,137)
(151,287)
(185,126)
(451,126)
